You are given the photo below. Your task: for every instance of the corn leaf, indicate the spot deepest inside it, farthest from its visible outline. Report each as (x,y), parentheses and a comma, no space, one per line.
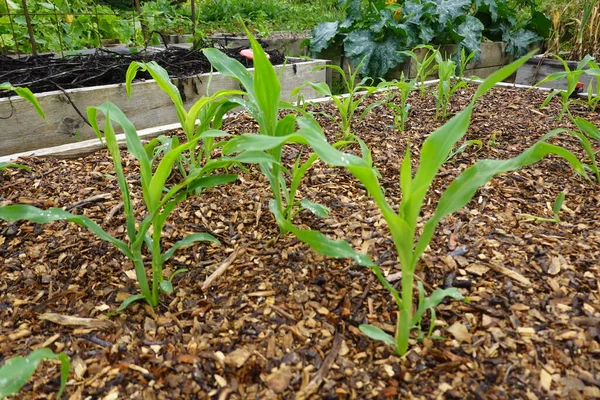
(231,68)
(17,370)
(319,242)
(188,240)
(376,333)
(463,188)
(34,214)
(25,94)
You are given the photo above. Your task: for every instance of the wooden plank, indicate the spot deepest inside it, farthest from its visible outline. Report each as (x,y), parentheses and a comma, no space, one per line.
(21,129)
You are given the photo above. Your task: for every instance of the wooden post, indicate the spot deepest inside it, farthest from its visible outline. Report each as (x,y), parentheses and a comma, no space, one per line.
(193,6)
(136,4)
(29,28)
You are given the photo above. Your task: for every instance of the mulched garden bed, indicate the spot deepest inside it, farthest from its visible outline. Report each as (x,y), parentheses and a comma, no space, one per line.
(44,73)
(282,321)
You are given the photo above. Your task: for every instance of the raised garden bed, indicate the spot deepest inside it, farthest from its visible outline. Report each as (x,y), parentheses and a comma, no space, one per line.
(148,106)
(282,321)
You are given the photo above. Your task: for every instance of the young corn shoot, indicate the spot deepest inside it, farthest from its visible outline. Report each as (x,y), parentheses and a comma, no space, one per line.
(425,66)
(263,103)
(159,200)
(558,202)
(348,103)
(403,90)
(403,224)
(446,87)
(572,78)
(202,121)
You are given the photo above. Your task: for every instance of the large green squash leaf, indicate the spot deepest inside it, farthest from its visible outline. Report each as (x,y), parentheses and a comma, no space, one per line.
(322,34)
(471,31)
(450,10)
(379,56)
(517,43)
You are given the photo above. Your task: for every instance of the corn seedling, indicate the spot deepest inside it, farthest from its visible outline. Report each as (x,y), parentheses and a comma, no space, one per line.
(348,103)
(425,67)
(262,101)
(588,131)
(461,66)
(17,370)
(572,78)
(461,149)
(401,111)
(159,200)
(594,86)
(403,224)
(446,87)
(558,202)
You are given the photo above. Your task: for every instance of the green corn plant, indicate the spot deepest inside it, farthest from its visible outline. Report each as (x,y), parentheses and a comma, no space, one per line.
(401,111)
(17,370)
(572,78)
(425,67)
(461,149)
(159,200)
(461,66)
(262,101)
(594,86)
(202,121)
(403,224)
(348,103)
(588,131)
(446,87)
(558,202)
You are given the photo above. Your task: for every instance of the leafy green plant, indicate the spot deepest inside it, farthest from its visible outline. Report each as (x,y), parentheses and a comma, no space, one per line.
(463,147)
(202,122)
(263,103)
(160,201)
(447,86)
(425,65)
(376,30)
(354,94)
(462,63)
(403,89)
(403,223)
(593,89)
(588,131)
(17,370)
(558,202)
(572,78)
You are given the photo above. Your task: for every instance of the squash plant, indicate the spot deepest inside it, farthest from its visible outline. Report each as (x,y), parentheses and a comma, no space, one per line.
(377,30)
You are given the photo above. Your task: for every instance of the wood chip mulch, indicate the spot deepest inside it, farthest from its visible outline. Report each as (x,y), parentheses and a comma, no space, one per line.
(282,321)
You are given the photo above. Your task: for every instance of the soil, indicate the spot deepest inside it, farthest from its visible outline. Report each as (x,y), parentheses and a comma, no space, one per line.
(43,73)
(282,321)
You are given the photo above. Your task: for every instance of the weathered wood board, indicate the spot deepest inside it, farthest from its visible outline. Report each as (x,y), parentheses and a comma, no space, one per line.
(21,128)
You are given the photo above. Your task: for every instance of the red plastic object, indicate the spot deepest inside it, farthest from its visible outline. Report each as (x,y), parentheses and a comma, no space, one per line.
(249,54)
